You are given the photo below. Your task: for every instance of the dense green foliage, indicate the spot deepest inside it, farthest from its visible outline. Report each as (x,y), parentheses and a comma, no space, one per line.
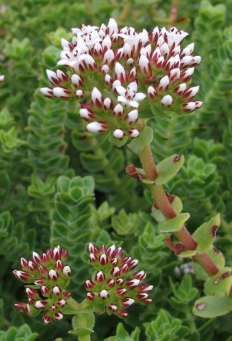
(59,187)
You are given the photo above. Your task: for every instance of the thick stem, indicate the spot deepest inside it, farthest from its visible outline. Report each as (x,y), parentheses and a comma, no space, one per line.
(162,202)
(83,320)
(84,338)
(148,163)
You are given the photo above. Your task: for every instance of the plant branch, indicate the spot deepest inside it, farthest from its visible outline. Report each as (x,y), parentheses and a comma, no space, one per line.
(162,202)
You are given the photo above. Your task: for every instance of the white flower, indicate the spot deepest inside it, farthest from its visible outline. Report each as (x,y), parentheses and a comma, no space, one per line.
(112,26)
(174,74)
(167,100)
(96,96)
(120,72)
(118,133)
(188,50)
(95,127)
(164,82)
(118,109)
(181,88)
(134,133)
(133,116)
(46,92)
(190,106)
(191,92)
(144,64)
(129,96)
(108,56)
(60,92)
(85,113)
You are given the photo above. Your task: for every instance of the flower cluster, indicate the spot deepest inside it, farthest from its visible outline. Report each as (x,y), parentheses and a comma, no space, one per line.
(115,284)
(112,71)
(2,78)
(46,278)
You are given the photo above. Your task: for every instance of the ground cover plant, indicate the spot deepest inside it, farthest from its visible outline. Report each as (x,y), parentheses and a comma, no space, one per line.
(115,147)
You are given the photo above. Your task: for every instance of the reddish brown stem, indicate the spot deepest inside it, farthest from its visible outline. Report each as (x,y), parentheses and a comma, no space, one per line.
(174,11)
(162,202)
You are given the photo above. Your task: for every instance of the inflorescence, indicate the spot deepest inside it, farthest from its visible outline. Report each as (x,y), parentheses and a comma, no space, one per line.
(112,72)
(115,284)
(46,279)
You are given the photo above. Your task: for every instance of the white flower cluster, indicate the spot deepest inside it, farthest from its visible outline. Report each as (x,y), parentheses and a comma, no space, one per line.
(112,71)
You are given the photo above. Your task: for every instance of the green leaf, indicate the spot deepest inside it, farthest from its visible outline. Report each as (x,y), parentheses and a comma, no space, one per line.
(174,224)
(21,333)
(168,168)
(165,327)
(187,254)
(123,335)
(218,286)
(144,139)
(212,306)
(206,233)
(184,293)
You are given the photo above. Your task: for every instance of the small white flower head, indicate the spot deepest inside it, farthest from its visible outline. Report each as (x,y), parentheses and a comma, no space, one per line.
(2,78)
(115,72)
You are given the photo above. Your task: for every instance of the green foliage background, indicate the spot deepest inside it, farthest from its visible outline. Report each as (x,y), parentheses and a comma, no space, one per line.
(57,186)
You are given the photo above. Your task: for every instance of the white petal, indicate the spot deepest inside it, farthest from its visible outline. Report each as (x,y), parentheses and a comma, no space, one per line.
(164,82)
(121,90)
(167,100)
(94,127)
(118,133)
(122,99)
(59,92)
(133,104)
(139,96)
(113,26)
(188,49)
(133,116)
(96,95)
(133,86)
(134,133)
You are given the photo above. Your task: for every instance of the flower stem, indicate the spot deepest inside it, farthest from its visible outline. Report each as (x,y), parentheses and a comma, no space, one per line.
(162,202)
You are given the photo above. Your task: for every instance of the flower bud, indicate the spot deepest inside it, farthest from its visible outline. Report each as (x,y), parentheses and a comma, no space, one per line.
(116,285)
(45,276)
